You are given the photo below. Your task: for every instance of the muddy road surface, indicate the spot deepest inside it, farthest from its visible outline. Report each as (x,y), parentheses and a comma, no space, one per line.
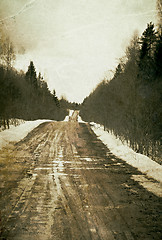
(61,182)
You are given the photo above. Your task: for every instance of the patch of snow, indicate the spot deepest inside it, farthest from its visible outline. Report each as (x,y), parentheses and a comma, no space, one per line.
(13,122)
(80,119)
(154,187)
(70,112)
(67,118)
(15,134)
(143,163)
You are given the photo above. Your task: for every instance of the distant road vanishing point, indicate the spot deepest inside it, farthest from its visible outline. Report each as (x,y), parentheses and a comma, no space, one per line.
(61,182)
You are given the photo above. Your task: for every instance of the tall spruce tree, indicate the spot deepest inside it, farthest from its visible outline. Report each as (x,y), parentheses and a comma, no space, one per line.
(31,75)
(148,41)
(146,56)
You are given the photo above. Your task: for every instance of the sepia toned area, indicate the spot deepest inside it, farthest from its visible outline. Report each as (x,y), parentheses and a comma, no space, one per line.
(74,44)
(80,119)
(61,182)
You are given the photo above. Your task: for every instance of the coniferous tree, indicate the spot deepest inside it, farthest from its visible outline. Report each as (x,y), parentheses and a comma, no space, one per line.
(146,57)
(148,41)
(31,75)
(130,104)
(55,98)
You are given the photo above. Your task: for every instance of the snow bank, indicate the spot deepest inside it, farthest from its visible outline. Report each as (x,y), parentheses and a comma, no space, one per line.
(143,163)
(15,134)
(13,122)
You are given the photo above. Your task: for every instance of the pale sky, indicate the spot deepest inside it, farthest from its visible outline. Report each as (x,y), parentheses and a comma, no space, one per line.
(74,43)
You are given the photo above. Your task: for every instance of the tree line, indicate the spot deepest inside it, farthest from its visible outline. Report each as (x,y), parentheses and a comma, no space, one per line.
(130,105)
(24,95)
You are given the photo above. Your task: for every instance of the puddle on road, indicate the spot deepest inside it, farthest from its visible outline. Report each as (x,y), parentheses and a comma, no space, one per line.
(87,159)
(60,174)
(93,230)
(87,168)
(114,164)
(150,185)
(75,175)
(42,168)
(60,154)
(59,165)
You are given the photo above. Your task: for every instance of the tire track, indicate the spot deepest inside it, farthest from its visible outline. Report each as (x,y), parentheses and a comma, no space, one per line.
(72,188)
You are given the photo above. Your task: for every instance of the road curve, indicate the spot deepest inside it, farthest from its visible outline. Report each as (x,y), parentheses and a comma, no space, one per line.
(61,182)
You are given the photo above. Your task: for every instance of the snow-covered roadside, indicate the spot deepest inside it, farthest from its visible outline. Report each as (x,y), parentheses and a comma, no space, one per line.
(13,122)
(15,134)
(148,167)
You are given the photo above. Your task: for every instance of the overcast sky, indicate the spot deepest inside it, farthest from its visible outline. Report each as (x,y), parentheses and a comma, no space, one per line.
(74,43)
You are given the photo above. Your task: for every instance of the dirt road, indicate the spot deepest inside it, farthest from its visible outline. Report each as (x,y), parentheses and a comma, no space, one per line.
(61,182)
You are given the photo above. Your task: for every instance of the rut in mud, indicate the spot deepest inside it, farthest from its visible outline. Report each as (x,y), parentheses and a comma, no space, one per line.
(61,182)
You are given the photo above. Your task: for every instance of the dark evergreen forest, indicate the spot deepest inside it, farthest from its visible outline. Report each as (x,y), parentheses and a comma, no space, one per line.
(25,95)
(130,104)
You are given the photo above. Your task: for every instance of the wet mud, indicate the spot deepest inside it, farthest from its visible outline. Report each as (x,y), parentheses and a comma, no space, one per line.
(62,182)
